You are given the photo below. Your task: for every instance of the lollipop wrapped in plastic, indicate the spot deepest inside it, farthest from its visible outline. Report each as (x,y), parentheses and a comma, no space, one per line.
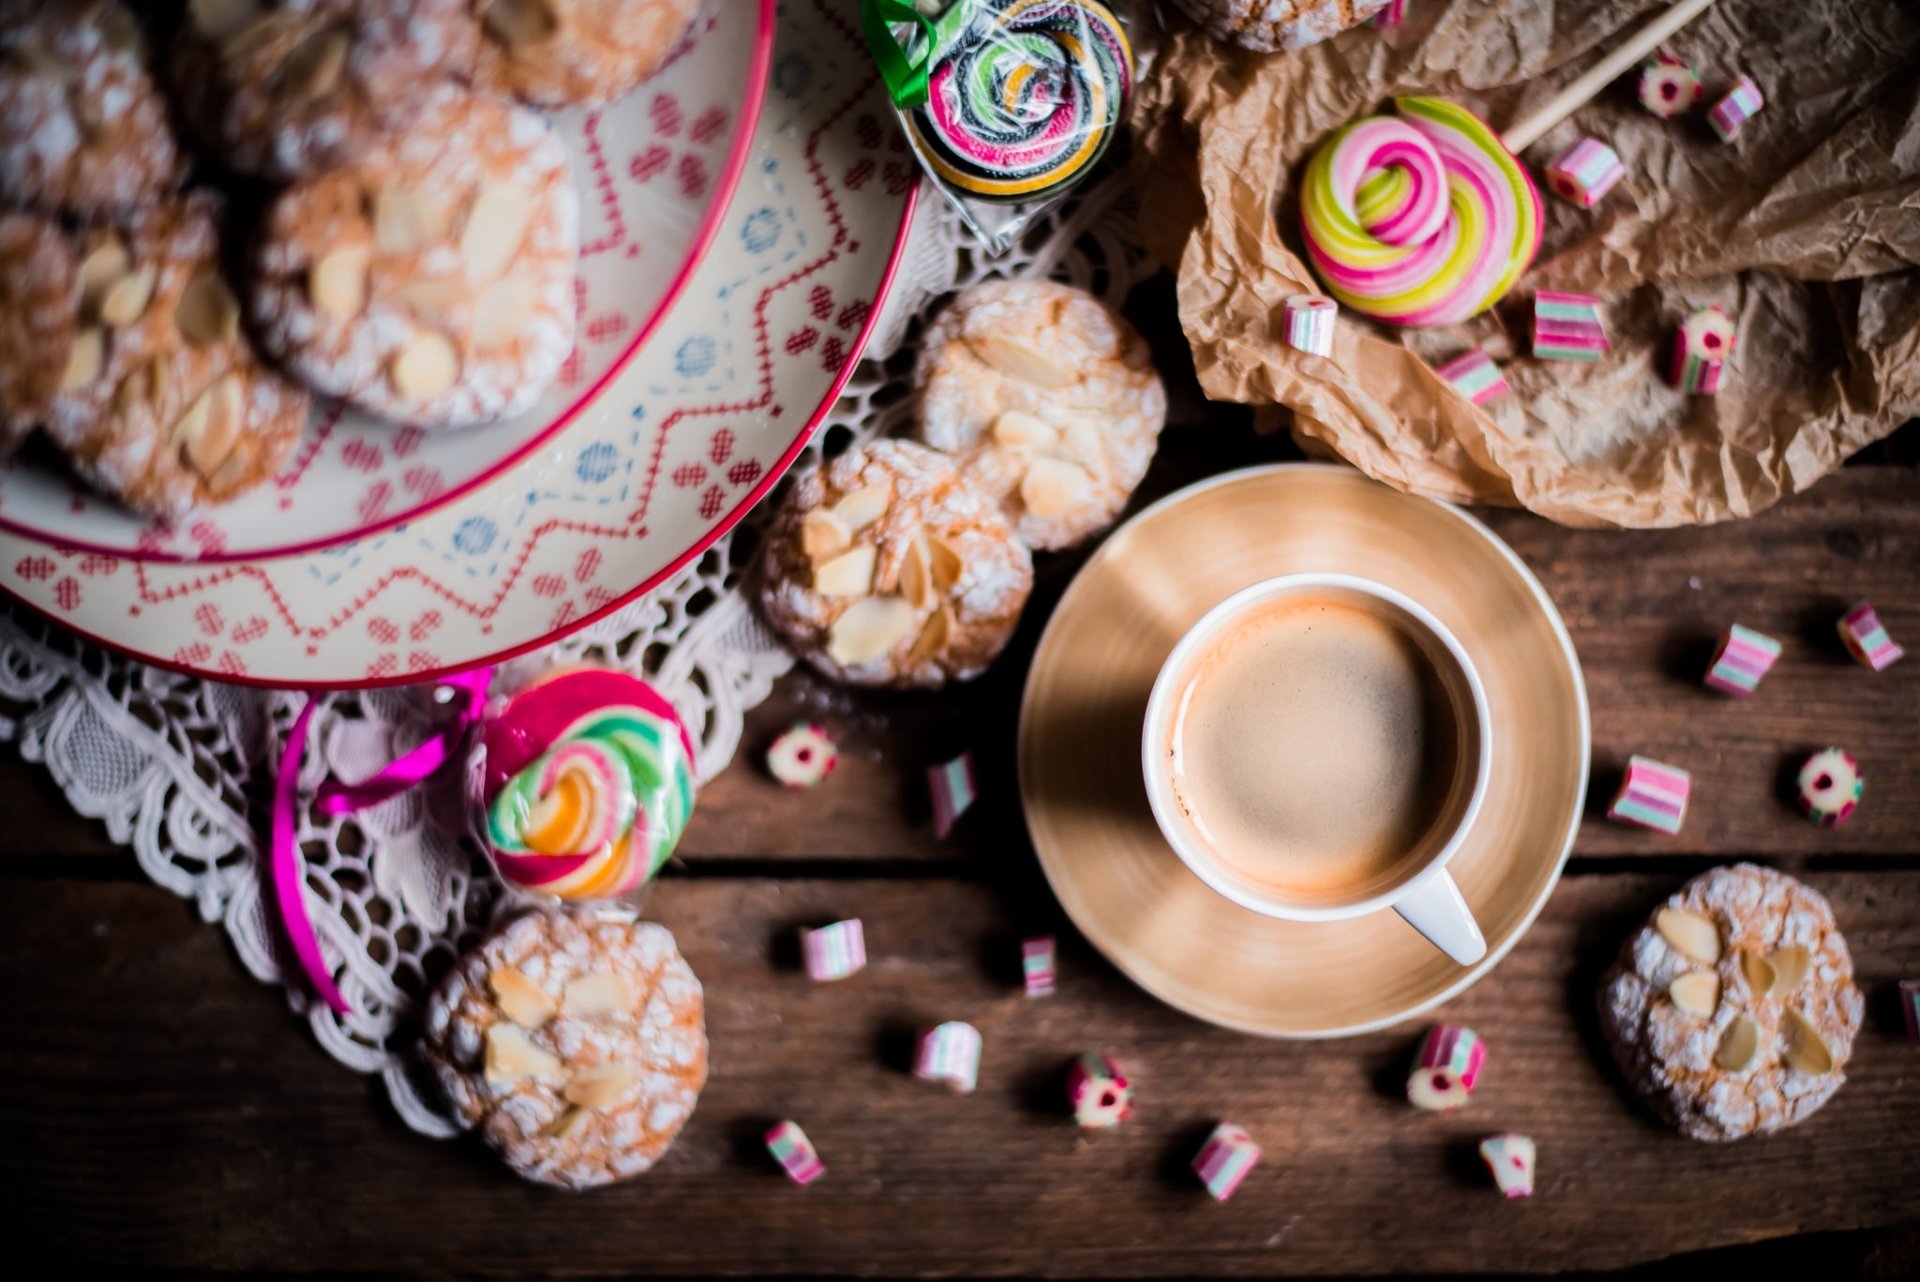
(587,784)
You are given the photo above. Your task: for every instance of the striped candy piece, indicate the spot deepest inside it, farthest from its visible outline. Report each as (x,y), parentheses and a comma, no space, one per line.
(1447,1068)
(1741,104)
(1100,1093)
(1475,376)
(1309,323)
(1829,787)
(1510,1158)
(795,1153)
(1910,1005)
(1224,1160)
(1036,965)
(1701,348)
(836,951)
(1653,795)
(1393,15)
(953,791)
(1567,327)
(1866,640)
(1742,659)
(1585,172)
(1668,86)
(949,1053)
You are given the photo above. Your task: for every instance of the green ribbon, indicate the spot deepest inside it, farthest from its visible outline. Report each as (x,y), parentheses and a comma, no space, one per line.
(905,74)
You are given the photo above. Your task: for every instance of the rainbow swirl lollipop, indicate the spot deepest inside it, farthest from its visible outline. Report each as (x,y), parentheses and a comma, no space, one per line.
(588,784)
(1023,96)
(1421,219)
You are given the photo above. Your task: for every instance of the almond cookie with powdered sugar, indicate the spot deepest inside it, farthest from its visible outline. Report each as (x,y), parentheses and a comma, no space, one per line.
(289,87)
(163,402)
(1734,1009)
(1049,401)
(83,128)
(575,1041)
(884,567)
(431,281)
(39,302)
(570,53)
(1279,24)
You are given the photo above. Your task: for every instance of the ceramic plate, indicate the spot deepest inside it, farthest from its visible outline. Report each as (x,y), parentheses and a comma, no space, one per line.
(693,432)
(1087,691)
(655,169)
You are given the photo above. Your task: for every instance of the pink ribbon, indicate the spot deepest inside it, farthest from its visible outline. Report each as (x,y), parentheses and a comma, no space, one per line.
(337,798)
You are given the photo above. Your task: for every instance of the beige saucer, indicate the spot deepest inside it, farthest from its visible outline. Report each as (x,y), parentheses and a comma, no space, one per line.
(1080,725)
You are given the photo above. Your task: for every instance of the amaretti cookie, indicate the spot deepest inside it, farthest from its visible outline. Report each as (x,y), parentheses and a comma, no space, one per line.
(1734,1009)
(430,281)
(569,53)
(1047,399)
(885,567)
(574,1041)
(163,403)
(290,87)
(83,128)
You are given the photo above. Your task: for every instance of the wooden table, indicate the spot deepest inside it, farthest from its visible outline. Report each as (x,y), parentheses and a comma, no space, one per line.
(161,1110)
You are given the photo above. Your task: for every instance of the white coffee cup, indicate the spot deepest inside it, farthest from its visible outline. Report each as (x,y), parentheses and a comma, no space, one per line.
(1276,617)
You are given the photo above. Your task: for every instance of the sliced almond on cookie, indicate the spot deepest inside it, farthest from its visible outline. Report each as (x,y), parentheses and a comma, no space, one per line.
(219,19)
(916,574)
(1697,992)
(934,637)
(599,995)
(496,225)
(425,367)
(503,311)
(406,220)
(1689,933)
(1738,1045)
(864,506)
(945,562)
(207,312)
(1760,973)
(869,630)
(210,429)
(314,68)
(337,283)
(849,574)
(519,998)
(601,1087)
(100,271)
(1790,966)
(569,1123)
(1017,360)
(126,299)
(822,534)
(511,1055)
(1015,430)
(136,388)
(521,23)
(1053,486)
(1807,1051)
(84,363)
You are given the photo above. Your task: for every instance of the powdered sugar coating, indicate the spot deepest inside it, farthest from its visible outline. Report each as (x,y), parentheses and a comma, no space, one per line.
(927,499)
(464,146)
(1668,1054)
(122,429)
(1279,24)
(289,87)
(1104,414)
(39,296)
(83,129)
(567,53)
(661,1036)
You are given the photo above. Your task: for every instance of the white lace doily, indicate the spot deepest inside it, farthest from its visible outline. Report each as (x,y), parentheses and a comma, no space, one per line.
(178,768)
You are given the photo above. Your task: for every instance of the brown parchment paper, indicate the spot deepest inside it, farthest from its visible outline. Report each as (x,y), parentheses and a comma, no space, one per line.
(1806,229)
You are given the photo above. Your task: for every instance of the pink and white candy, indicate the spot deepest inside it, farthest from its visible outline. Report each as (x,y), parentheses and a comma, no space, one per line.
(1100,1093)
(836,951)
(1568,327)
(1037,965)
(1829,787)
(1740,104)
(1225,1159)
(1475,376)
(803,756)
(1585,172)
(795,1152)
(1910,1007)
(1309,323)
(1742,659)
(953,788)
(1652,795)
(950,1054)
(1511,1159)
(1447,1068)
(1702,346)
(1866,638)
(1668,87)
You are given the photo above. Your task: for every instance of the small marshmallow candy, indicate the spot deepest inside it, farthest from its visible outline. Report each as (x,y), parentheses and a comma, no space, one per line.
(949,1053)
(1741,104)
(795,1153)
(1475,376)
(1585,172)
(836,951)
(1702,345)
(1567,327)
(1099,1092)
(803,756)
(1309,323)
(1224,1160)
(1830,787)
(1668,87)
(1742,659)
(1446,1069)
(1037,965)
(1866,640)
(1652,795)
(952,785)
(1510,1158)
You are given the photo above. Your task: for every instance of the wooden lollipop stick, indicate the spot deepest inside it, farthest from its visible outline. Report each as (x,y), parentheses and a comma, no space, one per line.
(1520,136)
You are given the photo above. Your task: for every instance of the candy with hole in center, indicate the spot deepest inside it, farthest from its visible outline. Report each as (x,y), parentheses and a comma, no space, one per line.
(1739,105)
(836,951)
(1585,172)
(1668,86)
(1866,638)
(1742,659)
(949,1053)
(1829,787)
(795,1152)
(1510,1157)
(1100,1093)
(1309,322)
(803,756)
(1225,1159)
(1037,965)
(953,788)
(1652,795)
(1475,376)
(1567,327)
(1446,1069)
(1702,345)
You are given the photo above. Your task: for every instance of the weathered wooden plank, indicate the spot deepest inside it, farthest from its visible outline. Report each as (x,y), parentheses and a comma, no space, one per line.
(158,1112)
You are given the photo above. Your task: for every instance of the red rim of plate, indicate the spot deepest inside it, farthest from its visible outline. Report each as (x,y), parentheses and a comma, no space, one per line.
(716,212)
(707,540)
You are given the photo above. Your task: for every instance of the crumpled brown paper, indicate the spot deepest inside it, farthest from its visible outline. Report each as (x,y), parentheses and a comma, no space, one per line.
(1806,229)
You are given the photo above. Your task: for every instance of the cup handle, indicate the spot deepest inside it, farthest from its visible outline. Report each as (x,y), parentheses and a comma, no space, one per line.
(1437,911)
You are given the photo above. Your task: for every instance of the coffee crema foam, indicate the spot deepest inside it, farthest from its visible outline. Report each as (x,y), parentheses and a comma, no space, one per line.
(1314,749)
